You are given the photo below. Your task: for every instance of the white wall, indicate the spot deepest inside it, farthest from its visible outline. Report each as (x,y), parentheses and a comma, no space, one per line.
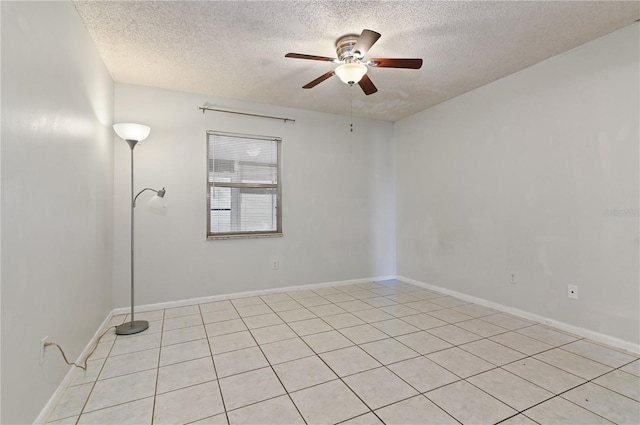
(518,176)
(57,191)
(338,203)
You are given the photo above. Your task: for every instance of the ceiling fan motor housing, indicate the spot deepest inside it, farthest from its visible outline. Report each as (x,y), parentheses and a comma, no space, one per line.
(344,48)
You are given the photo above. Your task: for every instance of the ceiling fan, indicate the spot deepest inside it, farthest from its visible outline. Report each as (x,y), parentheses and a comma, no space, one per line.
(351,50)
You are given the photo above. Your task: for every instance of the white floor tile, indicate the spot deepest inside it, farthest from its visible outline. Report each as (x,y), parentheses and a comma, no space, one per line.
(326,310)
(460,362)
(273,334)
(492,352)
(608,356)
(219,316)
(507,321)
(482,328)
(450,316)
(475,310)
(310,326)
(327,341)
(283,306)
(454,335)
(423,321)
(262,321)
(363,333)
(572,363)
(395,327)
(71,402)
(347,361)
(188,404)
(344,320)
(366,419)
(521,343)
(388,351)
(239,361)
(220,419)
(275,298)
(216,306)
(372,315)
(510,389)
(423,374)
(284,351)
(379,387)
(302,373)
(223,328)
(328,403)
(182,322)
(546,335)
(231,342)
(184,351)
(414,411)
(250,387)
(170,313)
(546,376)
(601,401)
(559,411)
(185,374)
(247,301)
(138,343)
(183,335)
(621,382)
(296,315)
(423,342)
(470,405)
(253,310)
(399,310)
(276,411)
(137,412)
(122,389)
(130,363)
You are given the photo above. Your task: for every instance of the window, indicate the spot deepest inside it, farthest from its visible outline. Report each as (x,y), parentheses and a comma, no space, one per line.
(243,194)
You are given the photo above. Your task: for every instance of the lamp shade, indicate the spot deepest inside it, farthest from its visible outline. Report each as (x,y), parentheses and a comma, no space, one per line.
(158,202)
(131,131)
(351,73)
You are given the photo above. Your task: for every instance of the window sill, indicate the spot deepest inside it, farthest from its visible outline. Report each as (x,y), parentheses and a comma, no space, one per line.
(244,236)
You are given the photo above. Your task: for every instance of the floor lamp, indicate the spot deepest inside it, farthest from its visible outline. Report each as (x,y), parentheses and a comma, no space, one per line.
(132,134)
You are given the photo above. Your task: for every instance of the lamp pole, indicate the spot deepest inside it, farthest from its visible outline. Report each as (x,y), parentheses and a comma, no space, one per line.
(133,326)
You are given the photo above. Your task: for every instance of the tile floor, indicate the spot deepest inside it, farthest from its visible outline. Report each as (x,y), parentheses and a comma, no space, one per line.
(373,353)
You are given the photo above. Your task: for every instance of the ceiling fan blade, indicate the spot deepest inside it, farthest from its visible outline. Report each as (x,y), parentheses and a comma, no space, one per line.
(365,41)
(310,57)
(395,63)
(367,85)
(319,80)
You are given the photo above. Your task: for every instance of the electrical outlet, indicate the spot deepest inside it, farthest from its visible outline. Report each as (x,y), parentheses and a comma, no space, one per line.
(572,291)
(512,278)
(275,265)
(43,341)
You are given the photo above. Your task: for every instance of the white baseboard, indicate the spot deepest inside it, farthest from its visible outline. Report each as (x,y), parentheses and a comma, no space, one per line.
(55,398)
(586,333)
(213,298)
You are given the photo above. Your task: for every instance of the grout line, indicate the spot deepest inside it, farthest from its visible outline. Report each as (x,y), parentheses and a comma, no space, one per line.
(155,390)
(215,370)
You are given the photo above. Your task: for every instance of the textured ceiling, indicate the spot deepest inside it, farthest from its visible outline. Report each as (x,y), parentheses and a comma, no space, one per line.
(236,48)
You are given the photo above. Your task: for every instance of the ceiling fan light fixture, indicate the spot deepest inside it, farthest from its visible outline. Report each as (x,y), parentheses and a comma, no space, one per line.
(351,73)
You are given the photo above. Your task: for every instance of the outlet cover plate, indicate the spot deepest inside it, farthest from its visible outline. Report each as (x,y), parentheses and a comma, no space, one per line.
(572,291)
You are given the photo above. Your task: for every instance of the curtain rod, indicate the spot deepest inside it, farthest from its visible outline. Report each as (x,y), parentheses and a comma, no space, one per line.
(244,113)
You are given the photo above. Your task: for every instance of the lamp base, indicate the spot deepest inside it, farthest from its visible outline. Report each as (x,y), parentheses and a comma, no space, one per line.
(130,328)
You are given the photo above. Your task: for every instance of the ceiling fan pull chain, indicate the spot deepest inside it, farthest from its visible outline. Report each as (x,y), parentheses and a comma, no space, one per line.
(351,125)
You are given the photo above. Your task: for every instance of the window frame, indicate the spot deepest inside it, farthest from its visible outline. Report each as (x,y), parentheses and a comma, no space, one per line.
(278,186)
